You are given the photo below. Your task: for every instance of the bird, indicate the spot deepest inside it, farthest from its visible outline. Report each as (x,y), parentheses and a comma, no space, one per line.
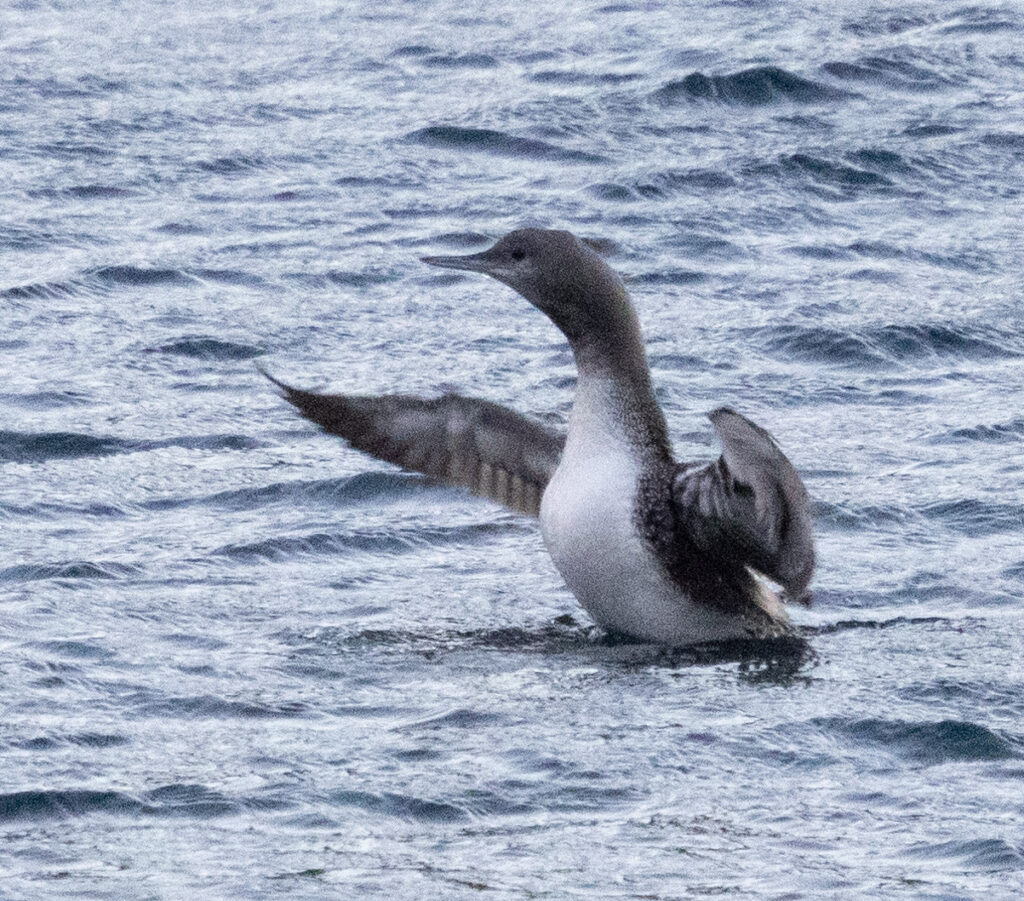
(655,550)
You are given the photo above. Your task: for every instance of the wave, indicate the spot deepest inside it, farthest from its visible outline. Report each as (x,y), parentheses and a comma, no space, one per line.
(213,707)
(37,447)
(139,276)
(884,345)
(233,164)
(400,806)
(970,516)
(388,541)
(497,142)
(459,61)
(208,349)
(834,174)
(180,800)
(906,74)
(757,86)
(81,739)
(72,569)
(362,487)
(928,743)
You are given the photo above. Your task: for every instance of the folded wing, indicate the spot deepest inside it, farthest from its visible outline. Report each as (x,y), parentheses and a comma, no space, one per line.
(463,441)
(749,505)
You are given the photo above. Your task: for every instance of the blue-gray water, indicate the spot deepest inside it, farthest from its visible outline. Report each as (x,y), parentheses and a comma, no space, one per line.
(239,660)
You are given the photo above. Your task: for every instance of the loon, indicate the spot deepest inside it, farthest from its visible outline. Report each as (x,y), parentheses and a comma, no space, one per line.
(653,549)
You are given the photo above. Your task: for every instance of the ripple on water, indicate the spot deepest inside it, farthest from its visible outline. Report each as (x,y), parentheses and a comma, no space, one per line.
(70,569)
(35,447)
(377,541)
(399,806)
(880,346)
(757,86)
(487,140)
(987,855)
(205,348)
(927,743)
(176,799)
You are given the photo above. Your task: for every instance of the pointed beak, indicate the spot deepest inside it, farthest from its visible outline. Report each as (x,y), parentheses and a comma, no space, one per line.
(474,262)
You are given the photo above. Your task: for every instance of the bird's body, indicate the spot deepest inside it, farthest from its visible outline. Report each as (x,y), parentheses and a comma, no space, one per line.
(664,552)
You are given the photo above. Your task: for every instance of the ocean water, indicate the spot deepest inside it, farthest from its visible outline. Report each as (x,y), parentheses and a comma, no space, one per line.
(239,660)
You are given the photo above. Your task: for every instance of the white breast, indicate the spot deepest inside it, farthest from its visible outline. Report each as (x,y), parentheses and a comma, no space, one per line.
(587,520)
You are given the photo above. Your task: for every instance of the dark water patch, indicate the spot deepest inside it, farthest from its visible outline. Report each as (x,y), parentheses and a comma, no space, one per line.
(850,517)
(758,86)
(615,193)
(989,695)
(833,174)
(931,130)
(61,805)
(902,74)
(462,240)
(358,489)
(976,342)
(213,707)
(199,642)
(668,183)
(985,855)
(180,228)
(100,192)
(821,344)
(884,23)
(389,541)
(499,143)
(42,291)
(878,250)
(575,77)
(139,276)
(460,718)
(20,237)
(974,517)
(364,278)
(208,349)
(1000,433)
(203,442)
(884,345)
(32,447)
(233,164)
(69,570)
(413,50)
(979,20)
(230,277)
(1015,572)
(47,400)
(79,650)
(459,61)
(75,149)
(926,743)
(881,160)
(81,740)
(669,277)
(400,806)
(1005,140)
(819,252)
(186,800)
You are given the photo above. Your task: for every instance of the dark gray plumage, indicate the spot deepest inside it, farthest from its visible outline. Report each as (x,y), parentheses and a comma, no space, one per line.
(652,548)
(487,448)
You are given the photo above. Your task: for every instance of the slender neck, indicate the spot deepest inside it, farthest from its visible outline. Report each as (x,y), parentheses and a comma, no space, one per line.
(614,381)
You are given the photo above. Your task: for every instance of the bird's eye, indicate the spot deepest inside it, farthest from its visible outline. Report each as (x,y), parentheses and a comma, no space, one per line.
(518,255)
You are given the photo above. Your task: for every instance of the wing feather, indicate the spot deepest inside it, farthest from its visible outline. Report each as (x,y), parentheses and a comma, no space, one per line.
(749,505)
(483,446)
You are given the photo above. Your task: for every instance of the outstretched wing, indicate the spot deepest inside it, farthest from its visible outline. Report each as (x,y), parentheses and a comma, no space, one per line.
(749,505)
(464,441)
